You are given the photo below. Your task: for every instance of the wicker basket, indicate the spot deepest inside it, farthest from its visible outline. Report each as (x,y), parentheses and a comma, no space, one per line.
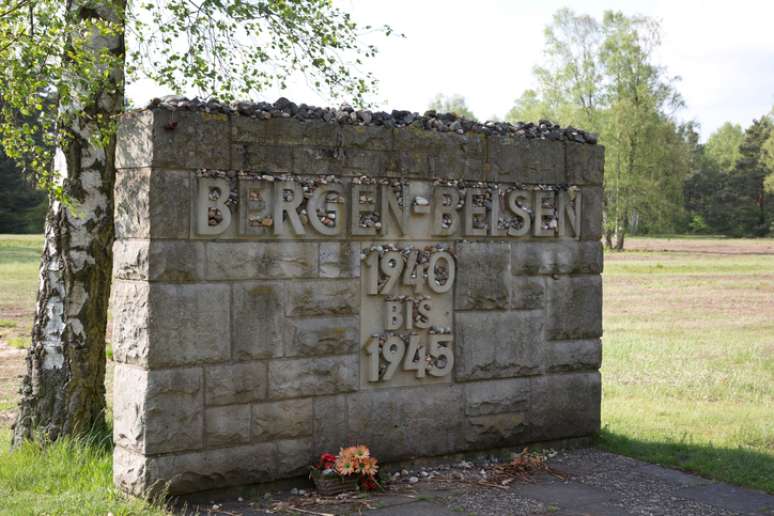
(332,486)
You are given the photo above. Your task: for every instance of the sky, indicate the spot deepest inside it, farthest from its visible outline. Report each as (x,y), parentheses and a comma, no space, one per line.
(485,50)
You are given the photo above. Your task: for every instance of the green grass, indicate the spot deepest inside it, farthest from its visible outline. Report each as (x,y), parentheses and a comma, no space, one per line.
(7,324)
(67,477)
(19,342)
(688,371)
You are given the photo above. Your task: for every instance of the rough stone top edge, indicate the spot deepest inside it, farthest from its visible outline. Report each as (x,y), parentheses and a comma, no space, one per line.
(346,115)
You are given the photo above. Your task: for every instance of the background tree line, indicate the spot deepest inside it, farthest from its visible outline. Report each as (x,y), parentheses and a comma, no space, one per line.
(600,75)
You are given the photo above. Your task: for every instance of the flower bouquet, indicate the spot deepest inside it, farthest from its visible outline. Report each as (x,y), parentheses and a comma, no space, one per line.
(353,468)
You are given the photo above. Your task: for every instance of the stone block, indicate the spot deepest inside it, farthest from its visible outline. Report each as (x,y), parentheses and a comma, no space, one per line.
(165,325)
(564,405)
(573,355)
(585,163)
(574,308)
(158,260)
(497,344)
(191,472)
(527,292)
(261,260)
(174,410)
(227,426)
(132,204)
(497,397)
(258,324)
(591,213)
(191,140)
(496,431)
(188,324)
(131,317)
(230,384)
(367,137)
(321,336)
(129,385)
(273,159)
(152,203)
(519,160)
(129,472)
(158,411)
(331,426)
(283,420)
(483,276)
(339,260)
(294,457)
(403,423)
(134,140)
(323,297)
(295,378)
(559,257)
(318,160)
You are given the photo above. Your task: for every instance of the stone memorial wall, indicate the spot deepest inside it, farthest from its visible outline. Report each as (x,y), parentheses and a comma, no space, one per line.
(285,286)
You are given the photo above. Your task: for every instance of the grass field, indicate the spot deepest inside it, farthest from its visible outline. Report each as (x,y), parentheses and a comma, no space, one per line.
(688,368)
(688,373)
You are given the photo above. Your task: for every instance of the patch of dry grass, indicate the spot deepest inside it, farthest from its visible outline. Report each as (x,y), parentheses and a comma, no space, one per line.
(689,356)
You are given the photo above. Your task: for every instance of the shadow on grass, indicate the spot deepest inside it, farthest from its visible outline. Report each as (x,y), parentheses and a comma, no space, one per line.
(738,466)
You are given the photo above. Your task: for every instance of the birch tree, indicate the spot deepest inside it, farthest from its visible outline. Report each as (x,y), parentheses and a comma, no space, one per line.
(62,85)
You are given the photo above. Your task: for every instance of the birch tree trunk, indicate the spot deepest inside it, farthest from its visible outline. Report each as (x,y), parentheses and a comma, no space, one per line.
(63,392)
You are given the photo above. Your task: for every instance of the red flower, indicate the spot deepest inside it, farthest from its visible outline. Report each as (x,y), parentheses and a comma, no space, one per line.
(327,461)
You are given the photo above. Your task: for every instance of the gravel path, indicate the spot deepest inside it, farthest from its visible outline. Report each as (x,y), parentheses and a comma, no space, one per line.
(584,482)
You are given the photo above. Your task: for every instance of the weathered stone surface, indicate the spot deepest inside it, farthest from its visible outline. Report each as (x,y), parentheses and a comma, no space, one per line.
(573,355)
(321,336)
(129,308)
(497,397)
(324,297)
(339,260)
(257,328)
(129,407)
(585,163)
(497,430)
(261,260)
(134,140)
(497,344)
(192,140)
(282,420)
(371,138)
(152,203)
(527,292)
(236,383)
(227,426)
(574,308)
(274,159)
(483,276)
(158,411)
(243,355)
(294,457)
(564,405)
(562,257)
(402,423)
(293,378)
(158,260)
(209,469)
(187,323)
(330,432)
(526,161)
(591,213)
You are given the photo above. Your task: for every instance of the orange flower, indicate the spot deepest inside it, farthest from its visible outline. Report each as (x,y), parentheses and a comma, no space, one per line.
(361,452)
(369,467)
(345,465)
